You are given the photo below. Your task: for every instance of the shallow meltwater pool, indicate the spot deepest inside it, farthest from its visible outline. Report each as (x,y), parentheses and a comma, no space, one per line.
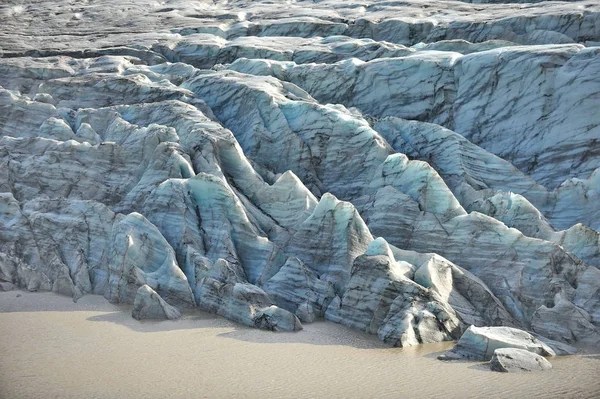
(53,348)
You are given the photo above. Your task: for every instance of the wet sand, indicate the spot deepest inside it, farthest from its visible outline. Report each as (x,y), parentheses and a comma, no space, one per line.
(51,347)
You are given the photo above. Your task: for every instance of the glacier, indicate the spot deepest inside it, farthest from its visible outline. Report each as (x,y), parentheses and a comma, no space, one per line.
(411,169)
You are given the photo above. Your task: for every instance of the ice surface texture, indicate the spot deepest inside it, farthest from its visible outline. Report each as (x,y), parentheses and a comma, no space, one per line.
(405,168)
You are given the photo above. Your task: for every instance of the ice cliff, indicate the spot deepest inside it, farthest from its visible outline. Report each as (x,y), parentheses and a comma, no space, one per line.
(405,168)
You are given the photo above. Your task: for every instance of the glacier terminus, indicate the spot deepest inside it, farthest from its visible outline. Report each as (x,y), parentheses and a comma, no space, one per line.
(419,170)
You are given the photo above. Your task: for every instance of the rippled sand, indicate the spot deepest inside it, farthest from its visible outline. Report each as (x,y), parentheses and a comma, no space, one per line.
(53,348)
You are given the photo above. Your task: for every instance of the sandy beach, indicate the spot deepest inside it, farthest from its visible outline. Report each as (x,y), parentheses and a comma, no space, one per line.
(54,348)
